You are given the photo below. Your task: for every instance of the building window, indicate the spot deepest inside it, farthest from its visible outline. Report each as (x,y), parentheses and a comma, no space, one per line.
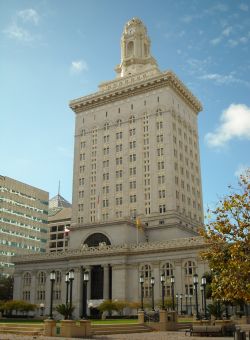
(162,208)
(190,268)
(41,278)
(58,277)
(27,279)
(146,273)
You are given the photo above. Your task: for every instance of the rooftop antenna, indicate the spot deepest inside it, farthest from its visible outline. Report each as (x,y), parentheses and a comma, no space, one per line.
(59,188)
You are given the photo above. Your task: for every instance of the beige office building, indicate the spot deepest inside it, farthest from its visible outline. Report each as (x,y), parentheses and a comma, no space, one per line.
(136,159)
(23,221)
(59,222)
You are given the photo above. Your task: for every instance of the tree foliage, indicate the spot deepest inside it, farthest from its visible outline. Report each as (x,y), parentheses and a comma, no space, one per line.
(228,240)
(6,287)
(65,310)
(17,306)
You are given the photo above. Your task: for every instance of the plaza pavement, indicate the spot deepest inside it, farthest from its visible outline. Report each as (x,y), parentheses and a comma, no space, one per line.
(135,336)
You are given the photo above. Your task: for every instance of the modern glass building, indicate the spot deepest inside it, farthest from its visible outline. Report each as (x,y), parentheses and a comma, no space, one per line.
(23,221)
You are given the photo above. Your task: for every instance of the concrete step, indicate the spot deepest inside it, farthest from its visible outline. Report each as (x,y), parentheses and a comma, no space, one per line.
(119,328)
(26,329)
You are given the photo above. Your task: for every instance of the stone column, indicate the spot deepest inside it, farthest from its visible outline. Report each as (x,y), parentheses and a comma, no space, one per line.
(76,292)
(119,290)
(47,293)
(33,286)
(105,282)
(156,274)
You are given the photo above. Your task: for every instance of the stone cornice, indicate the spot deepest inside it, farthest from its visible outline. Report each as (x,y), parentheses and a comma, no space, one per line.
(120,89)
(122,250)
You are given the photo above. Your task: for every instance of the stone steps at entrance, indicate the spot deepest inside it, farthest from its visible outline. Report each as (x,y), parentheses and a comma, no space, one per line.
(120,329)
(25,329)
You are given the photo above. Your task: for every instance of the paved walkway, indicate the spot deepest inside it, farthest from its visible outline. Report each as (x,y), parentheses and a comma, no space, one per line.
(135,336)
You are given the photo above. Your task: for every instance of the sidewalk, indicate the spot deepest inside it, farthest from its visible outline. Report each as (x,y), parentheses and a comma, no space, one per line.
(135,336)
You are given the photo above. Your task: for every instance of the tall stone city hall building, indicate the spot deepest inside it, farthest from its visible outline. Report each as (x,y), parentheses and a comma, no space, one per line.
(137,196)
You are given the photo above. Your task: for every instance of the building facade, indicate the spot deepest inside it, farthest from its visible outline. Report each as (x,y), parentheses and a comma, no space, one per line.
(23,221)
(137,196)
(59,222)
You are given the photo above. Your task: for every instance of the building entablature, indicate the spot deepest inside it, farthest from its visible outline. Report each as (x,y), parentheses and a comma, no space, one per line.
(109,250)
(133,85)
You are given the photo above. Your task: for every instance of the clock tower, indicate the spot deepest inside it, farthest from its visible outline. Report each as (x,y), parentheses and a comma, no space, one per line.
(135,50)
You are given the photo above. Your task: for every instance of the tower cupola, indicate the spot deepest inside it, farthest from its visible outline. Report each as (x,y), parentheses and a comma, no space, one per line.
(135,49)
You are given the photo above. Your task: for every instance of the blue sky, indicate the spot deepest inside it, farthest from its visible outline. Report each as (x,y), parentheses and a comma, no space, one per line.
(55,51)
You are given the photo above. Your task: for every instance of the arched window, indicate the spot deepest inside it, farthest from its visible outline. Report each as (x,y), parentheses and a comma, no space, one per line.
(95,239)
(130,49)
(27,279)
(41,278)
(146,273)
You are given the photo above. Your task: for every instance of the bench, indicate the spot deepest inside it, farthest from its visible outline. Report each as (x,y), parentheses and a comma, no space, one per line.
(205,330)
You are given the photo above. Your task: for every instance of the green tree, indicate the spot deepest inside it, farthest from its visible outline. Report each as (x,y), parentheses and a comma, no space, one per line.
(6,288)
(228,244)
(65,310)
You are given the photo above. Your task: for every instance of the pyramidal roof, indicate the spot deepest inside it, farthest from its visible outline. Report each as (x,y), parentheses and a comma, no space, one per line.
(58,202)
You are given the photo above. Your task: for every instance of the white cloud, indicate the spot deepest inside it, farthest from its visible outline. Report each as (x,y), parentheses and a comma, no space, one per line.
(227,31)
(242,169)
(215,41)
(234,123)
(224,79)
(244,7)
(78,66)
(29,15)
(18,33)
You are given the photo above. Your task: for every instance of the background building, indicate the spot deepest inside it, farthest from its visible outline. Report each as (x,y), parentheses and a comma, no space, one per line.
(23,221)
(137,198)
(59,223)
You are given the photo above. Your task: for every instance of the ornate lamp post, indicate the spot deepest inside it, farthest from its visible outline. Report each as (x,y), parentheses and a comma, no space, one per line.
(177,303)
(172,291)
(195,281)
(152,281)
(42,308)
(67,288)
(52,281)
(181,297)
(163,290)
(202,297)
(203,284)
(186,297)
(84,301)
(71,279)
(141,283)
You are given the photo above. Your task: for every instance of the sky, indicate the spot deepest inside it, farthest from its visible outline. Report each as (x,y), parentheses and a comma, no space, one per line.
(55,51)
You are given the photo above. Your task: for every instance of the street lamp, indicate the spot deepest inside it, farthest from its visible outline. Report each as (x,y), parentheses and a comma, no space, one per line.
(202,297)
(141,283)
(152,281)
(84,300)
(163,290)
(67,288)
(71,279)
(186,297)
(177,303)
(52,280)
(203,284)
(42,308)
(181,297)
(195,281)
(172,291)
